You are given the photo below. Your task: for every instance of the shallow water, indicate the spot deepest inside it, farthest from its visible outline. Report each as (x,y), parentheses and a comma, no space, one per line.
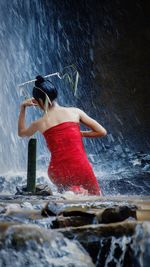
(128,175)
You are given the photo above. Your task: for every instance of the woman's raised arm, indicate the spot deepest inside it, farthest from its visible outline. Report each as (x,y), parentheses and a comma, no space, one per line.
(97,130)
(22,130)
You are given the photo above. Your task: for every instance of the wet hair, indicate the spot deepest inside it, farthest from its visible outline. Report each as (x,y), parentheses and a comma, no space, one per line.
(42,88)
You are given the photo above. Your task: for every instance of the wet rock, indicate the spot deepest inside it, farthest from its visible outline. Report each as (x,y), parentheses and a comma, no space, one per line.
(116,214)
(73,221)
(68,216)
(120,244)
(140,245)
(95,231)
(33,246)
(41,189)
(54,208)
(90,236)
(82,214)
(10,208)
(88,220)
(23,213)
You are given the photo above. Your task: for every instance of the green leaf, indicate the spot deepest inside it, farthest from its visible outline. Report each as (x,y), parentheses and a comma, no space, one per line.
(71,75)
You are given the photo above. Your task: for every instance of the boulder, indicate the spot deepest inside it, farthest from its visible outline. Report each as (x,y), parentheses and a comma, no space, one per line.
(116,214)
(68,213)
(118,244)
(41,189)
(30,245)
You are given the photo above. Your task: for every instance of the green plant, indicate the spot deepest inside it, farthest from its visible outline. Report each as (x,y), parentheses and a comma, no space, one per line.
(71,74)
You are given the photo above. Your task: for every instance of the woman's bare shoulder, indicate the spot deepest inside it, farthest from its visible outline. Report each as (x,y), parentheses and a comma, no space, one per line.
(75,109)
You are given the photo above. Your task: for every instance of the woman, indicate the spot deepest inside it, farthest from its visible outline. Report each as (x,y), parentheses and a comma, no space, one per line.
(69,168)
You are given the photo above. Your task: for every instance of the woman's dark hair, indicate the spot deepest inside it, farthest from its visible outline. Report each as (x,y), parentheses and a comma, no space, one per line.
(42,88)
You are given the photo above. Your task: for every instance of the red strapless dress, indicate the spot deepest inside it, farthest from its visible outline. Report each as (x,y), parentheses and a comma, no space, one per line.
(69,168)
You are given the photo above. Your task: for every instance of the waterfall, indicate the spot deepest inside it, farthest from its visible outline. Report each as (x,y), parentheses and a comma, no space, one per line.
(30,45)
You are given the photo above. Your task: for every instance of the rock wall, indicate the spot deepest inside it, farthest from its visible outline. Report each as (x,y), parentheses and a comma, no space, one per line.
(121,59)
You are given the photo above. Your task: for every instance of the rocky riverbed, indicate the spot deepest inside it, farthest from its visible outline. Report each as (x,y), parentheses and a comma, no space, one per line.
(74,230)
(71,230)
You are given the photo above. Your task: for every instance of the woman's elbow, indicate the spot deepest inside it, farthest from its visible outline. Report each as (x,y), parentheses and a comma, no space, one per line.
(21,134)
(103,133)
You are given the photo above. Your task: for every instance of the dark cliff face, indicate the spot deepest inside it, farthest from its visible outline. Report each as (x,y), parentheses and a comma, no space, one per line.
(121,64)
(108,43)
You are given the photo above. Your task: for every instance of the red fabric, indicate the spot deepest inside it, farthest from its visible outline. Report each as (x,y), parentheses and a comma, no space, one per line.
(69,167)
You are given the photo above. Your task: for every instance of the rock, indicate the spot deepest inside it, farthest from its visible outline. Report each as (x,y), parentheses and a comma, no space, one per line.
(82,214)
(140,245)
(111,244)
(90,236)
(34,246)
(57,208)
(116,214)
(10,208)
(88,220)
(73,221)
(23,214)
(41,189)
(52,209)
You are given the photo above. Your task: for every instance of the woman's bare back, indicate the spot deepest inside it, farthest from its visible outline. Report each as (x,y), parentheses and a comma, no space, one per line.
(56,115)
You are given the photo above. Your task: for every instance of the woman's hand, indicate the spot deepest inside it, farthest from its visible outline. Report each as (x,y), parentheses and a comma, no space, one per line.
(97,130)
(22,130)
(29,102)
